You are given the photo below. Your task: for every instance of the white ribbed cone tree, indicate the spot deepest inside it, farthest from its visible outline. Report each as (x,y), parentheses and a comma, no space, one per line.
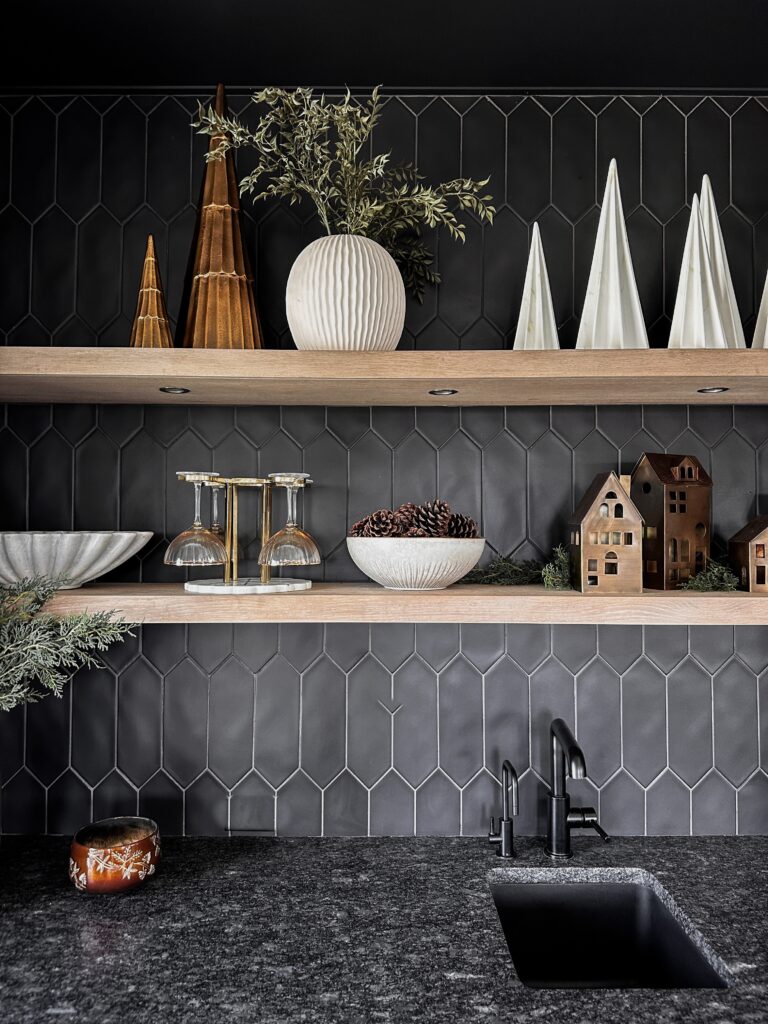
(612,316)
(696,322)
(760,337)
(721,272)
(536,326)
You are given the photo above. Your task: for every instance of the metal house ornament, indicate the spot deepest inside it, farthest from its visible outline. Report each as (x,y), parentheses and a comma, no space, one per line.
(151,327)
(606,538)
(721,272)
(536,325)
(221,312)
(696,321)
(612,316)
(760,337)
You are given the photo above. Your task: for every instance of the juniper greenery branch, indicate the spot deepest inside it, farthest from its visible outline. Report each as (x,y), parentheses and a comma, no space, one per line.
(39,652)
(715,576)
(556,574)
(310,147)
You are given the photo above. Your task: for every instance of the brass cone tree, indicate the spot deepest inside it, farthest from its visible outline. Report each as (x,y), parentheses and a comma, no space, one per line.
(222,310)
(151,328)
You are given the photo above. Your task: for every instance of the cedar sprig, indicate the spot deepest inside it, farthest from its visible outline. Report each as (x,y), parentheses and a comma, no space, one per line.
(310,147)
(506,572)
(556,574)
(715,576)
(40,652)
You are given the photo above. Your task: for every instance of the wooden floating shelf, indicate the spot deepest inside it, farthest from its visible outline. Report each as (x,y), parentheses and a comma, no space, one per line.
(487,377)
(365,602)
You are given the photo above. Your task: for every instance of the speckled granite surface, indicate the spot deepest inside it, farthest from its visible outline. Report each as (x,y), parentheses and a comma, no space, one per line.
(357,930)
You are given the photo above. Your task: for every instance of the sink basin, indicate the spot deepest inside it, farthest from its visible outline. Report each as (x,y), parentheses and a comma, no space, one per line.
(601,928)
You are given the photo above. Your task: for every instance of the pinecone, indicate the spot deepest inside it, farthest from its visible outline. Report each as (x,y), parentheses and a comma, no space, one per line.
(433,517)
(404,517)
(358,529)
(416,531)
(462,526)
(382,523)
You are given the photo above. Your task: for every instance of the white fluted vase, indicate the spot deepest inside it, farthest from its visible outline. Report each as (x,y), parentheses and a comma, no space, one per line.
(345,292)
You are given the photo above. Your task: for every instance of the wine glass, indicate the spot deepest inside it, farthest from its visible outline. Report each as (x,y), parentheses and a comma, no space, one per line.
(216,528)
(198,545)
(291,545)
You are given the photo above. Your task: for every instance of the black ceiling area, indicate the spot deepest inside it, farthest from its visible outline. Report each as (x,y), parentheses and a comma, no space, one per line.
(445,45)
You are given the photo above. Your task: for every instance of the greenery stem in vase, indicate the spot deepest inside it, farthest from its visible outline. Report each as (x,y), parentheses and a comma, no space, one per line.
(310,147)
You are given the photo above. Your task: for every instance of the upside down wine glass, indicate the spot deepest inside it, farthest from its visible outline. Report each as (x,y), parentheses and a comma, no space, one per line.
(291,545)
(198,545)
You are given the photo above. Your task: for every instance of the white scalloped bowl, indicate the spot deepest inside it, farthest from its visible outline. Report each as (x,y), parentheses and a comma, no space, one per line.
(79,555)
(415,563)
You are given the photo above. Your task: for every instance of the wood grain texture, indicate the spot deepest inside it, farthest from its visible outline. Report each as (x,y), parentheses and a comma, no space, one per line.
(365,602)
(277,377)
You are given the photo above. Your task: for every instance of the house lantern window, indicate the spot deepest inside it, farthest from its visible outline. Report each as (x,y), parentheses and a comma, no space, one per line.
(759,550)
(604,510)
(618,511)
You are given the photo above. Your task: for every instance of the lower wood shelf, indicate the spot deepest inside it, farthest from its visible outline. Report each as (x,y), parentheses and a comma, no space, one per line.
(365,602)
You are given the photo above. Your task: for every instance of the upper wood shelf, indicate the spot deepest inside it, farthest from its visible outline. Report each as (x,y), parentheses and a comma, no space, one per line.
(366,602)
(487,377)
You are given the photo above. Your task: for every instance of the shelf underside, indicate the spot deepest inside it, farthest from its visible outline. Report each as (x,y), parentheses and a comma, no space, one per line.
(365,602)
(485,377)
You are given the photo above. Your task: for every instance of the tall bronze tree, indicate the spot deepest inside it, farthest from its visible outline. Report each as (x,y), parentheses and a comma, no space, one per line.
(221,312)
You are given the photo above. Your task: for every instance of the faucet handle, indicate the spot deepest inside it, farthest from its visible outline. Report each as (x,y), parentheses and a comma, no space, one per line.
(494,834)
(586,817)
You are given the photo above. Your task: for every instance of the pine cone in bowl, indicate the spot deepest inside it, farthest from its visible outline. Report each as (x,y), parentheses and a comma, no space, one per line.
(433,517)
(462,526)
(382,523)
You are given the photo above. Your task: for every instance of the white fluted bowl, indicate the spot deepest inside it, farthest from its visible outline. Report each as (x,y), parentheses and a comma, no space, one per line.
(415,563)
(79,555)
(345,292)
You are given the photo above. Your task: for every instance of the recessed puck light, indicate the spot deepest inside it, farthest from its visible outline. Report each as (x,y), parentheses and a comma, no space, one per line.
(443,392)
(174,391)
(712,391)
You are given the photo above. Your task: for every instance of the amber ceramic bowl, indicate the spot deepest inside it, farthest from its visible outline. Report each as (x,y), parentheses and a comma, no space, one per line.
(114,854)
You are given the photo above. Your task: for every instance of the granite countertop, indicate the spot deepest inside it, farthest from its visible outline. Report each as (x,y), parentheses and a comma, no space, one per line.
(347,930)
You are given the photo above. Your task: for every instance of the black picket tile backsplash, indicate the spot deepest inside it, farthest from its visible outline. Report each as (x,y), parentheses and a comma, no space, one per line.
(87,177)
(393,729)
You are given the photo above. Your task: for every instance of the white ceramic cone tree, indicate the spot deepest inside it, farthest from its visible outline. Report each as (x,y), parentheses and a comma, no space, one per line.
(721,272)
(612,316)
(760,337)
(696,321)
(536,325)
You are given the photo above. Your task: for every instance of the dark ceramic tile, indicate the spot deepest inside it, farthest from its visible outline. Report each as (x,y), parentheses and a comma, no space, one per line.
(392,807)
(532,820)
(415,471)
(123,158)
(163,801)
(482,644)
(276,732)
(168,133)
(138,722)
(506,717)
(644,721)
(299,808)
(13,458)
(77,158)
(29,422)
(345,807)
(593,456)
(301,643)
(346,643)
(50,484)
(619,646)
(618,137)
(574,646)
(96,484)
(598,712)
(528,161)
(255,643)
(549,491)
(665,646)
(668,807)
(753,806)
(53,268)
(734,712)
(230,731)
(415,723)
(713,807)
(252,806)
(99,247)
(480,800)
(34,158)
(461,720)
(206,809)
(749,157)
(707,149)
(751,421)
(209,644)
(437,643)
(164,646)
(113,797)
(438,807)
(323,715)
(369,712)
(622,806)
(392,643)
(11,742)
(619,422)
(689,707)
(74,422)
(663,167)
(573,159)
(482,424)
(504,259)
(504,499)
(528,644)
(348,423)
(23,809)
(68,805)
(93,723)
(47,746)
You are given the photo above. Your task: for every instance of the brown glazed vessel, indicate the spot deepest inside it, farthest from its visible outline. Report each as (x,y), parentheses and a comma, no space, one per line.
(114,854)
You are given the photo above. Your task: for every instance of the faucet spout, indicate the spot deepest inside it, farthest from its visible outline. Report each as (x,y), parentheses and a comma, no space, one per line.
(509,778)
(567,757)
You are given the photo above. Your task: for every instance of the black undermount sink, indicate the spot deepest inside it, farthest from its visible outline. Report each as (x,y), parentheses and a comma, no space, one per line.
(607,928)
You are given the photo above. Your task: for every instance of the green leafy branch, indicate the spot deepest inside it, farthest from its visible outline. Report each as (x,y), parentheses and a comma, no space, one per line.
(40,652)
(310,147)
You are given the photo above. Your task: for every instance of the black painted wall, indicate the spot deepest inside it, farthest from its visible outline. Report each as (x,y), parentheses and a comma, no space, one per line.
(394,729)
